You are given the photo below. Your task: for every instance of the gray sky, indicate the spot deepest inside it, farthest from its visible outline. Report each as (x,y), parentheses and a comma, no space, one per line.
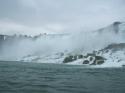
(57,16)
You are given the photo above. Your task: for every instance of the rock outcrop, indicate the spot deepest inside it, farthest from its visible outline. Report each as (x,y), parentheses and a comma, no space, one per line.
(90,59)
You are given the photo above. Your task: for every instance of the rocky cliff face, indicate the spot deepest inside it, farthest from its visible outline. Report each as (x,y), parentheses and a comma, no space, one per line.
(113,28)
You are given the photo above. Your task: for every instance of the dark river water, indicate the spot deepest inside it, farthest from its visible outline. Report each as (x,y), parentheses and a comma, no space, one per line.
(18,77)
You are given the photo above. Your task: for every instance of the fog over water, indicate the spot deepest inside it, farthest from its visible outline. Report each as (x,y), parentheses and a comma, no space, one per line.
(81,42)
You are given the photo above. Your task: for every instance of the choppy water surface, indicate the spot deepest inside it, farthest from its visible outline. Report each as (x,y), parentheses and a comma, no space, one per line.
(18,77)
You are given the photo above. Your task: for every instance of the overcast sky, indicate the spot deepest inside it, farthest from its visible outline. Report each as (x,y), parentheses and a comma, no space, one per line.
(57,16)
